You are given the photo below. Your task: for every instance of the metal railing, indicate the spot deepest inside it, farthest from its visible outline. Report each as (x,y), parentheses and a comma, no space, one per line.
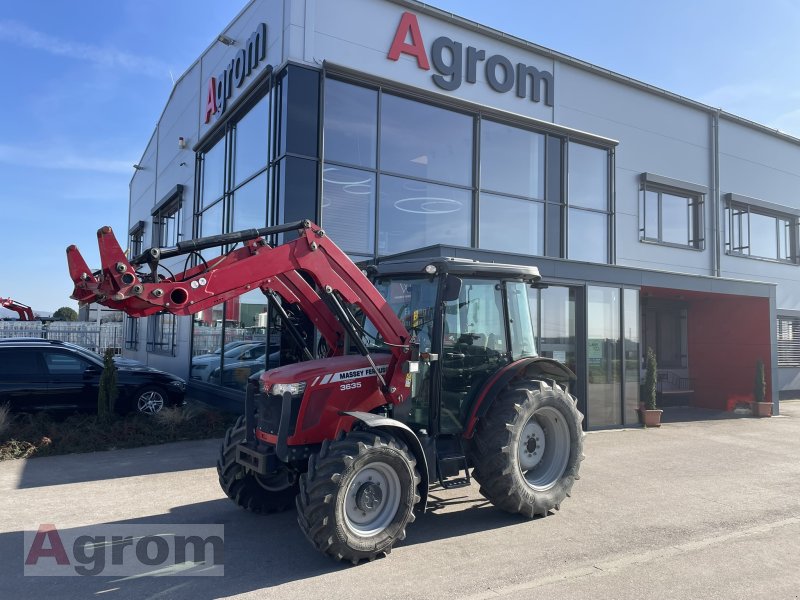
(92,336)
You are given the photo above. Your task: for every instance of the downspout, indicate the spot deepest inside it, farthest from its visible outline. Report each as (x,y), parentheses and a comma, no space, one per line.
(716,248)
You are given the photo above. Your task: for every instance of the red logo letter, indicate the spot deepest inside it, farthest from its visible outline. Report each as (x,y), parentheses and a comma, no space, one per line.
(56,549)
(211,99)
(409,26)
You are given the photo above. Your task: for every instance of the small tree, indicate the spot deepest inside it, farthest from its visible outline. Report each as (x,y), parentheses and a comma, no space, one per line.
(651,370)
(108,392)
(65,313)
(760,383)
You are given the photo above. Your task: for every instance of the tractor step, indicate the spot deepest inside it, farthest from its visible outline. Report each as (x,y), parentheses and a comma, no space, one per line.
(445,465)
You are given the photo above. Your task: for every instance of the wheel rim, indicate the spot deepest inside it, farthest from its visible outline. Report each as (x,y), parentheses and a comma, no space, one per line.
(150,402)
(372,499)
(544,448)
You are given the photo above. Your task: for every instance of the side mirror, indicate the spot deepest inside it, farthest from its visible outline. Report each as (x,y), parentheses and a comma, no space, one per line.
(452,288)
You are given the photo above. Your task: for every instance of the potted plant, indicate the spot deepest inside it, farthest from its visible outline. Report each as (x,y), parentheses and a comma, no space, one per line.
(649,414)
(761,408)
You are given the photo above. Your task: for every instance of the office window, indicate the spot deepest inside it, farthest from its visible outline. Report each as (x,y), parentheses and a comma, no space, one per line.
(759,233)
(161,331)
(512,189)
(136,240)
(131,333)
(166,224)
(788,341)
(588,217)
(671,216)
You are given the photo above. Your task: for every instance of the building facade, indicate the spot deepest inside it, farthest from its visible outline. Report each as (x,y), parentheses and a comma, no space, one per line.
(656,221)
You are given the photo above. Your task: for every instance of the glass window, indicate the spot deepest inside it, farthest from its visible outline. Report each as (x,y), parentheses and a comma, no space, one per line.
(521,321)
(603,359)
(588,236)
(351,123)
(414,214)
(64,364)
(763,236)
(136,242)
(588,176)
(512,160)
(213,173)
(16,364)
(425,141)
(631,353)
(131,333)
(511,224)
(252,141)
(788,341)
(161,330)
(671,217)
(348,208)
(250,204)
(751,232)
(557,339)
(167,226)
(211,220)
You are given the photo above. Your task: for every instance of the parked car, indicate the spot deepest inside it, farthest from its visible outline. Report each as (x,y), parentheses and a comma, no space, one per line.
(204,365)
(38,374)
(235,374)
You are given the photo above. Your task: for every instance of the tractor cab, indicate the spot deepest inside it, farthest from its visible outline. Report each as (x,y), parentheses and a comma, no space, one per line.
(468,320)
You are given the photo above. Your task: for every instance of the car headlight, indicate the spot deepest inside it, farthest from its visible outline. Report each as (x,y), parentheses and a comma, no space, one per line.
(295,389)
(180,384)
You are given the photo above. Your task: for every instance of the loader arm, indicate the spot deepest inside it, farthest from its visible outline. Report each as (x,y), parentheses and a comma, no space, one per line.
(256,265)
(24,311)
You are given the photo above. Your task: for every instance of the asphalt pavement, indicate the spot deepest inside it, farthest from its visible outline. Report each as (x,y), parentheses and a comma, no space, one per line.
(699,509)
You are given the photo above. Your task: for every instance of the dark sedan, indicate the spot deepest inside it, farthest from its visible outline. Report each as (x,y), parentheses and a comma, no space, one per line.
(38,374)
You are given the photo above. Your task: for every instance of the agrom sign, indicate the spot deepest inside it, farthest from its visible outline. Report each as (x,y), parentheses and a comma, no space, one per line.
(220,88)
(454,65)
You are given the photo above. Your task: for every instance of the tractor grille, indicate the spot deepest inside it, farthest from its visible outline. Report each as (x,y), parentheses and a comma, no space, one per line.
(269,413)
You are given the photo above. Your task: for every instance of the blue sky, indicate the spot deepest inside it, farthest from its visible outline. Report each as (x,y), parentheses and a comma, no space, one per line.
(85,83)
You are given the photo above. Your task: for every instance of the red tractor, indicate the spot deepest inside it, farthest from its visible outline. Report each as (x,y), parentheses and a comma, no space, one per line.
(428,370)
(24,311)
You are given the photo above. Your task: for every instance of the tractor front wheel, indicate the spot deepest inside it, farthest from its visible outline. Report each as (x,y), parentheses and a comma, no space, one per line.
(256,493)
(358,495)
(528,449)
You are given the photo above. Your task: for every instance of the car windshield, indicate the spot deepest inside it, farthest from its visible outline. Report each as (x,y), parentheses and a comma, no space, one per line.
(413,301)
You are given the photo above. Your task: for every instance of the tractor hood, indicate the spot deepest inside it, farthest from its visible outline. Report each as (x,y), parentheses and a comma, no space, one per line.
(326,370)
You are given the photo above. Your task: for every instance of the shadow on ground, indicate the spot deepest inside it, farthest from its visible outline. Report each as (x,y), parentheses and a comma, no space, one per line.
(98,466)
(261,552)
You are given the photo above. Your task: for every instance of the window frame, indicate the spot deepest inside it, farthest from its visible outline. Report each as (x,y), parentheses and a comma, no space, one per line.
(609,211)
(161,333)
(136,240)
(556,195)
(739,209)
(695,208)
(788,340)
(131,332)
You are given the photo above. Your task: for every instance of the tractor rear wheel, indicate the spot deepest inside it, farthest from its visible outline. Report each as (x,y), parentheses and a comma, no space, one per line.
(358,495)
(528,449)
(256,493)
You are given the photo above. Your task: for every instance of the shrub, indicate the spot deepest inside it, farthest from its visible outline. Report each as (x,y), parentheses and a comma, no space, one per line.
(760,383)
(650,380)
(108,392)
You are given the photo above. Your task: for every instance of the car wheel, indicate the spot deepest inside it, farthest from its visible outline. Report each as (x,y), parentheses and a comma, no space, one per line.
(150,400)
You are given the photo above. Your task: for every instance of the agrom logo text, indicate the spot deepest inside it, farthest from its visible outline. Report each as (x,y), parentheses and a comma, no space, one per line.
(125,550)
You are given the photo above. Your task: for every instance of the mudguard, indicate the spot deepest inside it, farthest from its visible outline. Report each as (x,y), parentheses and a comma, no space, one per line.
(404,432)
(535,367)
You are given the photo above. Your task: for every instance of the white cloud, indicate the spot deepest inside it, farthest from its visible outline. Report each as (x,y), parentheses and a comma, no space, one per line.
(52,158)
(20,34)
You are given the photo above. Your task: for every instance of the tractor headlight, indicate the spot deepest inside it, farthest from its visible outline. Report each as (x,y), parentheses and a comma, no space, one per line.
(295,389)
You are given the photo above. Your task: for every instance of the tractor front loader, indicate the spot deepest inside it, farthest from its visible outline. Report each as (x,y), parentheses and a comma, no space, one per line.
(431,378)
